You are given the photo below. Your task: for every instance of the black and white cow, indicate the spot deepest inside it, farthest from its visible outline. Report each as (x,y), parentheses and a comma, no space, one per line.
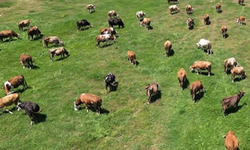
(110,81)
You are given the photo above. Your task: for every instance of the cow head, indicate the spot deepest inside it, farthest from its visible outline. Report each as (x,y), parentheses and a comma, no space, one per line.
(198,45)
(76,107)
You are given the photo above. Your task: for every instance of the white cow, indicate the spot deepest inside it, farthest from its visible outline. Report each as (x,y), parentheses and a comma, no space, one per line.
(205,45)
(140,15)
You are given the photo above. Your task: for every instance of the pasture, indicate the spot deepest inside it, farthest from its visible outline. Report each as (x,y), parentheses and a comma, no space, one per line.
(172,122)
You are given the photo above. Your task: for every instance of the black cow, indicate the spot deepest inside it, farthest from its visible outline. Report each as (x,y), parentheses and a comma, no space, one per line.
(110,81)
(83,23)
(115,21)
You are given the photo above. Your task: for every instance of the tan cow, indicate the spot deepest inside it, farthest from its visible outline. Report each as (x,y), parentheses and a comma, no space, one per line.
(195,87)
(14,82)
(241,20)
(151,89)
(52,39)
(33,31)
(26,60)
(238,71)
(23,23)
(201,65)
(8,34)
(90,8)
(9,100)
(168,47)
(131,57)
(145,22)
(189,9)
(229,64)
(231,142)
(182,77)
(60,51)
(206,19)
(218,7)
(223,31)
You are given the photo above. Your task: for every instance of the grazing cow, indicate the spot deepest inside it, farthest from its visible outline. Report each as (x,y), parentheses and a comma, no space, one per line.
(173,1)
(88,99)
(31,109)
(231,142)
(26,60)
(14,83)
(33,31)
(189,9)
(223,31)
(23,23)
(231,101)
(201,65)
(205,45)
(8,34)
(206,19)
(145,22)
(151,89)
(52,39)
(238,71)
(9,100)
(173,9)
(190,23)
(241,2)
(57,51)
(104,38)
(229,64)
(115,21)
(195,87)
(241,20)
(182,77)
(167,46)
(140,15)
(108,30)
(131,57)
(90,8)
(112,14)
(218,7)
(83,23)
(110,81)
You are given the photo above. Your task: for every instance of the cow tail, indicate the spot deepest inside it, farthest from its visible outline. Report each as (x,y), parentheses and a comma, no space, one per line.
(38,111)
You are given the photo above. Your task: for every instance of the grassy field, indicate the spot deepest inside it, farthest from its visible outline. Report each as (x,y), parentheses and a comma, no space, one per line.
(172,122)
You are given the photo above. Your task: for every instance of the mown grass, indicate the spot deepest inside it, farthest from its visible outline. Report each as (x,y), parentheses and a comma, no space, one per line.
(172,122)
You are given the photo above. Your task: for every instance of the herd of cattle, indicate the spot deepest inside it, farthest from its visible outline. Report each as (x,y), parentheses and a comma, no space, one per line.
(109,34)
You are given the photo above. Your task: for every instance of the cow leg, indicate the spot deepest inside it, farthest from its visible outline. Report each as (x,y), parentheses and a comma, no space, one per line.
(86,107)
(233,75)
(8,110)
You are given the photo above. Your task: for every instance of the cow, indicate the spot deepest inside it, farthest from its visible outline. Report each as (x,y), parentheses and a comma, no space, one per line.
(110,81)
(9,100)
(190,23)
(231,142)
(83,23)
(201,65)
(195,87)
(31,109)
(109,30)
(229,64)
(241,2)
(132,57)
(173,9)
(206,19)
(52,39)
(88,99)
(14,82)
(115,21)
(113,14)
(26,60)
(33,31)
(168,47)
(104,38)
(189,9)
(140,15)
(241,20)
(151,89)
(90,8)
(23,23)
(182,77)
(205,45)
(218,7)
(8,34)
(231,101)
(60,51)
(145,22)
(223,31)
(173,1)
(238,71)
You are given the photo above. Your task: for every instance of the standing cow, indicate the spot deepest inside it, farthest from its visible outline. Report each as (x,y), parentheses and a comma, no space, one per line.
(60,51)
(113,14)
(14,82)
(238,71)
(110,81)
(231,101)
(90,8)
(189,9)
(206,19)
(52,39)
(168,47)
(201,65)
(115,21)
(9,100)
(104,38)
(190,23)
(218,7)
(26,60)
(33,31)
(229,64)
(23,23)
(145,22)
(205,45)
(224,31)
(109,30)
(241,20)
(151,89)
(173,9)
(182,77)
(8,34)
(132,57)
(231,142)
(83,23)
(140,15)
(195,87)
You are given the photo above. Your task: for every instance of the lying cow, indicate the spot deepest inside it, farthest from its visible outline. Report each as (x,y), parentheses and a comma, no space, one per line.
(14,82)
(241,2)
(140,15)
(229,64)
(205,45)
(145,22)
(151,89)
(8,34)
(218,7)
(173,9)
(241,20)
(195,87)
(173,1)
(223,31)
(182,77)
(189,9)
(109,30)
(104,38)
(168,47)
(131,57)
(114,21)
(9,100)
(201,65)
(110,81)
(113,14)
(31,109)
(33,31)
(83,23)
(88,99)
(231,142)
(26,60)
(231,101)
(238,71)
(60,51)
(206,19)
(23,23)
(52,39)
(90,8)
(190,23)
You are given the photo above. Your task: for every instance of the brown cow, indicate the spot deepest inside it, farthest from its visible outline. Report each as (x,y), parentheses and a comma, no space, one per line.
(201,65)
(52,39)
(195,87)
(223,31)
(57,51)
(26,60)
(108,30)
(9,100)
(238,71)
(241,20)
(23,23)
(104,38)
(151,89)
(173,9)
(241,2)
(182,77)
(168,47)
(90,8)
(8,34)
(229,64)
(14,83)
(33,31)
(189,9)
(206,19)
(231,142)
(145,22)
(131,57)
(231,101)
(218,7)
(88,99)
(113,14)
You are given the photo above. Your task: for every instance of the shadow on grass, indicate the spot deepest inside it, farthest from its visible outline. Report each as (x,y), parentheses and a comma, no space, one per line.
(198,96)
(206,73)
(41,118)
(185,84)
(155,97)
(114,86)
(238,79)
(62,58)
(234,109)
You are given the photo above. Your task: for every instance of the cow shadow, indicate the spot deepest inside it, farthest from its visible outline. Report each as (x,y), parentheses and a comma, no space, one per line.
(208,23)
(35,67)
(234,109)
(107,45)
(198,96)
(114,86)
(171,52)
(206,73)
(186,84)
(150,28)
(83,29)
(62,58)
(191,28)
(9,40)
(155,97)
(38,38)
(104,111)
(226,35)
(220,11)
(136,63)
(243,23)
(238,79)
(41,118)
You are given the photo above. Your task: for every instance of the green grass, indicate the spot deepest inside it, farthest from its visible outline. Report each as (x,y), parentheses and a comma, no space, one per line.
(173,122)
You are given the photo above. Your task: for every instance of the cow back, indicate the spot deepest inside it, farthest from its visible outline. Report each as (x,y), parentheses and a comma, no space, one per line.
(231,142)
(9,100)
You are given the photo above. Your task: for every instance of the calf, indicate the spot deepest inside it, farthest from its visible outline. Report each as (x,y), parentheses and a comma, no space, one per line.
(190,23)
(31,109)
(33,31)
(223,31)
(173,1)
(110,81)
(241,20)
(88,100)
(140,15)
(229,64)
(14,82)
(173,9)
(26,60)
(23,23)
(90,8)
(238,71)
(112,14)
(167,46)
(115,21)
(182,77)
(151,89)
(231,101)
(206,19)
(83,23)
(104,38)
(9,100)
(109,30)
(131,57)
(8,34)
(218,7)
(189,9)
(241,2)
(61,51)
(195,87)
(145,22)
(201,65)
(231,142)
(52,39)
(205,45)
